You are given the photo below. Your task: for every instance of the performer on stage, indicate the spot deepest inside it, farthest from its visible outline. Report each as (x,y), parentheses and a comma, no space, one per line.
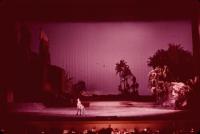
(80,108)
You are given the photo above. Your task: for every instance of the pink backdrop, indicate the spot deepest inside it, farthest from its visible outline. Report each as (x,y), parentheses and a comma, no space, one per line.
(89,51)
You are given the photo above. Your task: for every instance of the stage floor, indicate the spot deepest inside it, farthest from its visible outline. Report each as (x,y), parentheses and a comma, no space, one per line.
(100,114)
(99,109)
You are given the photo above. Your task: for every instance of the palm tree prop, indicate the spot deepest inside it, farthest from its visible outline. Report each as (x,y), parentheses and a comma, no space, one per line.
(128,84)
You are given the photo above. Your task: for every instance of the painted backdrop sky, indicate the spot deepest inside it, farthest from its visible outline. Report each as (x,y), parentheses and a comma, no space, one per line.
(89,50)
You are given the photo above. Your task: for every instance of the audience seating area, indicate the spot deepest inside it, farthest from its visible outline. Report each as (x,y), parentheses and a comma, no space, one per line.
(108,130)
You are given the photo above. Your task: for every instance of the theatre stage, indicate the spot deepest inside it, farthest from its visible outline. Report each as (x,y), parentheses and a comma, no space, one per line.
(120,114)
(98,109)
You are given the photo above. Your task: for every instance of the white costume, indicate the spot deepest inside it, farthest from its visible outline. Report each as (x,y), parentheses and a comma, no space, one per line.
(80,108)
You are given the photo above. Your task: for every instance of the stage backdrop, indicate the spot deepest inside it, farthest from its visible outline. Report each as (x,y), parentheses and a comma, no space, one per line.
(88,51)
